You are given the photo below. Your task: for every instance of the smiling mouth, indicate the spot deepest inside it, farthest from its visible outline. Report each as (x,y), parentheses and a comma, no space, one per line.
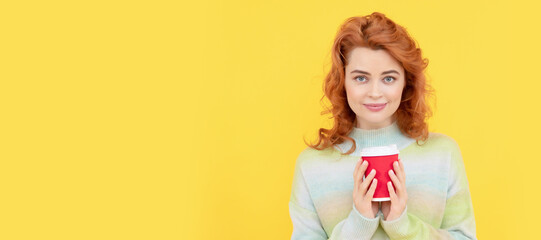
(375,107)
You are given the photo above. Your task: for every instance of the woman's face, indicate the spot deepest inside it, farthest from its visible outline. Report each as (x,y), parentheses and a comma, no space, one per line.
(374,83)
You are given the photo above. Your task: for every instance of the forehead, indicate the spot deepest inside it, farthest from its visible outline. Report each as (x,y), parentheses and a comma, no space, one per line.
(372,60)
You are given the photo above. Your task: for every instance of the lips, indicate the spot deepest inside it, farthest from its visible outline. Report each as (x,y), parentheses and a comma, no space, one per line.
(376,104)
(374,107)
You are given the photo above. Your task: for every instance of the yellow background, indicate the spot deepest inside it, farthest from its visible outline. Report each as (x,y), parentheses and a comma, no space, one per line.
(183,120)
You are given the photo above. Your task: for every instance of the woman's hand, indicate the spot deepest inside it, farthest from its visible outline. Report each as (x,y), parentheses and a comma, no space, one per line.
(363,190)
(399,197)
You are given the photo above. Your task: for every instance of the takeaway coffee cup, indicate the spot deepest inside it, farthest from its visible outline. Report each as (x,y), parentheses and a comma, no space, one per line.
(381,159)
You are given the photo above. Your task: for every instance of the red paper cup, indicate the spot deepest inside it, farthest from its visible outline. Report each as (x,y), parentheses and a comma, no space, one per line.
(381,159)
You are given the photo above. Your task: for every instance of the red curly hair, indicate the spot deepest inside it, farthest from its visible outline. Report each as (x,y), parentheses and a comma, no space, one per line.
(377,32)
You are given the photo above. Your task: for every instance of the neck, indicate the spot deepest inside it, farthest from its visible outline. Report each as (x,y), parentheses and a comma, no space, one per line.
(375,137)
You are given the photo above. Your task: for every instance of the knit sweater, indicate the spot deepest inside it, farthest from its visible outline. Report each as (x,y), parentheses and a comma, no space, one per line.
(439,204)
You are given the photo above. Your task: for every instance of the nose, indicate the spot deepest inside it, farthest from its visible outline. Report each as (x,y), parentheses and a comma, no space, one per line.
(374,91)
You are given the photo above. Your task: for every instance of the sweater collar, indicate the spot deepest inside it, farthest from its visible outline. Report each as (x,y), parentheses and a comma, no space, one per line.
(375,137)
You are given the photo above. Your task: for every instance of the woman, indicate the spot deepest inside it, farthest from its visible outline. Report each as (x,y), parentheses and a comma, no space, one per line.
(377,89)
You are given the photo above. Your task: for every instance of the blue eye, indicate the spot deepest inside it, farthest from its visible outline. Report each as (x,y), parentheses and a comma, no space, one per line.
(360,77)
(392,79)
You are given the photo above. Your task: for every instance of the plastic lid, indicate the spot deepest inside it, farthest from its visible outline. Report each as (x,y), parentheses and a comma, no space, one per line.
(380,151)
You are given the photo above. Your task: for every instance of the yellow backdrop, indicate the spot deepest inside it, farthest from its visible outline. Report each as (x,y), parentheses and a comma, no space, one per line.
(183,120)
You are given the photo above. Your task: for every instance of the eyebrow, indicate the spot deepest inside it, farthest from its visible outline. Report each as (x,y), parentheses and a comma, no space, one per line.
(367,73)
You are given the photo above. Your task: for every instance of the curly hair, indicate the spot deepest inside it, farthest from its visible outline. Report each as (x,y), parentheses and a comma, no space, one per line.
(375,31)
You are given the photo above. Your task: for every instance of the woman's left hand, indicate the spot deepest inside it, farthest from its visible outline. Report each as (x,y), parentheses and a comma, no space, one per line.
(399,197)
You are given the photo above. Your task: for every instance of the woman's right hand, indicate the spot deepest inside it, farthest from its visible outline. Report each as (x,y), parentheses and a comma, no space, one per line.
(363,190)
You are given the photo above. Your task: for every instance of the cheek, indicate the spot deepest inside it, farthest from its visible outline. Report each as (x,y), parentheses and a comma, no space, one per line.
(355,99)
(396,95)
(353,94)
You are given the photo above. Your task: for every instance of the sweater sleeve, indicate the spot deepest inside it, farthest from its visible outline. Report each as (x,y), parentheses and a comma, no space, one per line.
(458,220)
(306,222)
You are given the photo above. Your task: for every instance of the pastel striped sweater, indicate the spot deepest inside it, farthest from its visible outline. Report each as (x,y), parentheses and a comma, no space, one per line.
(439,204)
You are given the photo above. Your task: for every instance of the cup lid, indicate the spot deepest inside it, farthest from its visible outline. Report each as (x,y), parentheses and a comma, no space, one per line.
(380,150)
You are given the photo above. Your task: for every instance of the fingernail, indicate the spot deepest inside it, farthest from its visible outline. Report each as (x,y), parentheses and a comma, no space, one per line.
(373,171)
(391,171)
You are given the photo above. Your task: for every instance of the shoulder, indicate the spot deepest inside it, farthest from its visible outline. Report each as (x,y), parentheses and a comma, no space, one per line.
(436,144)
(438,151)
(310,156)
(440,141)
(311,153)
